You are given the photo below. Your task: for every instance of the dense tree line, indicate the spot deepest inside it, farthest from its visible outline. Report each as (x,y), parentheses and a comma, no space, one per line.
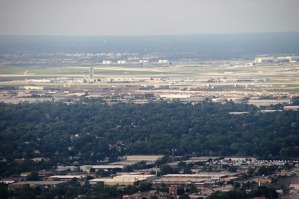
(82,189)
(92,132)
(71,189)
(262,191)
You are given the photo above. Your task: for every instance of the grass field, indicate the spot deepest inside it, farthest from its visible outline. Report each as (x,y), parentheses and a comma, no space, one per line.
(271,78)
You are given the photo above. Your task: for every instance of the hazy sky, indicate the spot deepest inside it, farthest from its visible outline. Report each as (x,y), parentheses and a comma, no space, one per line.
(146,17)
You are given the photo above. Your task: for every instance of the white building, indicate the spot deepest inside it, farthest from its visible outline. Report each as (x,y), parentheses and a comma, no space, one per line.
(175,96)
(38,81)
(86,168)
(177,179)
(264,59)
(65,177)
(126,179)
(107,62)
(163,61)
(276,59)
(293,108)
(268,102)
(33,87)
(147,158)
(121,62)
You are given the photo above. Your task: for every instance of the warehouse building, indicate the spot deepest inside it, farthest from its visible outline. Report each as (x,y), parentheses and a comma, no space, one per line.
(147,158)
(125,179)
(202,178)
(87,168)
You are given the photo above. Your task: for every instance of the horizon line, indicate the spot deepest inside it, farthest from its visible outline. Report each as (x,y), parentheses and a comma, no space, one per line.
(149,35)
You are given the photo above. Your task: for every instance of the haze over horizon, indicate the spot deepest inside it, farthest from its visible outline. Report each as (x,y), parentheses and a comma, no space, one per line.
(146,17)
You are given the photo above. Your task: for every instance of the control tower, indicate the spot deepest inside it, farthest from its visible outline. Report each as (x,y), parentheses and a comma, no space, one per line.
(91,73)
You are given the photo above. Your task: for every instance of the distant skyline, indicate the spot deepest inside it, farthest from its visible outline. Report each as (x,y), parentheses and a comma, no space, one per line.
(146,17)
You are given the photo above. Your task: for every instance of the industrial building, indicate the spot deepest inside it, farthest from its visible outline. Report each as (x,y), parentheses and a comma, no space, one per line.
(65,177)
(276,59)
(163,61)
(264,59)
(147,158)
(107,62)
(202,159)
(202,178)
(125,179)
(291,108)
(268,102)
(33,87)
(175,96)
(121,61)
(133,159)
(87,168)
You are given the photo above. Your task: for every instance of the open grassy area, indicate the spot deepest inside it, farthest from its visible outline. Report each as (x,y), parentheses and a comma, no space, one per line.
(274,78)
